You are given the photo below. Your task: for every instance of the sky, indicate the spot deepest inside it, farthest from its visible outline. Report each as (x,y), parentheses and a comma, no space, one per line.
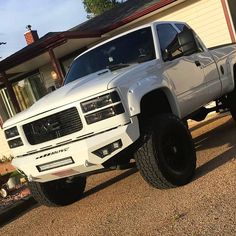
(43,15)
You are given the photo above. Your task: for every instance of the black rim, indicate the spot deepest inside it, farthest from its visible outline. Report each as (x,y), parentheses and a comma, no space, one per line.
(174,150)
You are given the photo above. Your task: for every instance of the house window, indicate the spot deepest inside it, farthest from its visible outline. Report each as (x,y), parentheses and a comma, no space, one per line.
(29,90)
(6,107)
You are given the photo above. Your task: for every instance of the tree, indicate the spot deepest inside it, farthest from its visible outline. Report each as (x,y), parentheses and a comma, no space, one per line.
(97,7)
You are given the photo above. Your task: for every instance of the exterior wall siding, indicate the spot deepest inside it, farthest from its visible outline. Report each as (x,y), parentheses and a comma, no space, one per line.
(206,17)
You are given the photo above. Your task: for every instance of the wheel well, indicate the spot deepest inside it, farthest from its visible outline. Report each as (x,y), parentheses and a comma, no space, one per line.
(234,73)
(154,103)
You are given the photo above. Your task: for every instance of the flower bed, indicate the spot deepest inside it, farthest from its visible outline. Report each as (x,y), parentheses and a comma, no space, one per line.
(17,190)
(20,192)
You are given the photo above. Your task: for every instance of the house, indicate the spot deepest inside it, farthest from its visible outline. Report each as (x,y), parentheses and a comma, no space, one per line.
(41,66)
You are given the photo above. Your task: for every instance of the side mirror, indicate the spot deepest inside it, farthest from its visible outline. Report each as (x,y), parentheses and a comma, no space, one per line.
(166,55)
(187,42)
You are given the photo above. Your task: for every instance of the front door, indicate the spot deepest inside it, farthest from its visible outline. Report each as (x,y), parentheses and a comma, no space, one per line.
(185,73)
(29,90)
(188,83)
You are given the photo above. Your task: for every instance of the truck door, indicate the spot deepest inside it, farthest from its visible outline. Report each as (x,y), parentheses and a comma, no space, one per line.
(211,74)
(208,65)
(185,73)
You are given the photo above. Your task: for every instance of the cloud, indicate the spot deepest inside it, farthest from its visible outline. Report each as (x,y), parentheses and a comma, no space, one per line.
(45,16)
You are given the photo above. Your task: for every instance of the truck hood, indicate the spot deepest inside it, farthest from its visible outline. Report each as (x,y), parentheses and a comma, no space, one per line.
(79,89)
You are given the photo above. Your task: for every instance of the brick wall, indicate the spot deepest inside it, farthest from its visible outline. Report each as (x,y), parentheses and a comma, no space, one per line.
(6,168)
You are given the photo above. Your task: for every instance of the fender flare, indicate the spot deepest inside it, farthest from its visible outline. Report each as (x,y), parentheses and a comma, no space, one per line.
(136,94)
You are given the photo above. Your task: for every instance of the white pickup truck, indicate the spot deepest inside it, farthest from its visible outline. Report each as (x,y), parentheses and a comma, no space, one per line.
(125,99)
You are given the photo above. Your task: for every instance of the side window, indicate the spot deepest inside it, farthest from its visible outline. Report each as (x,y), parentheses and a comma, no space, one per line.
(183,27)
(168,38)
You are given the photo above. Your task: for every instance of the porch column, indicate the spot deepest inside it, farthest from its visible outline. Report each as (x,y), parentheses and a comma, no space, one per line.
(3,78)
(56,66)
(228,20)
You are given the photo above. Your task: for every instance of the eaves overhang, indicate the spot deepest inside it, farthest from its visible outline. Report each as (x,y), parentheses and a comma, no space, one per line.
(50,41)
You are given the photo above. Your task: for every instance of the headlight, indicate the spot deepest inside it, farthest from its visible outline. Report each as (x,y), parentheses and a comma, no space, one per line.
(104,114)
(12,132)
(14,143)
(100,101)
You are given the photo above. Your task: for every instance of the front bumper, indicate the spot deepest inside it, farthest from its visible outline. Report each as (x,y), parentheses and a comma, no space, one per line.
(81,152)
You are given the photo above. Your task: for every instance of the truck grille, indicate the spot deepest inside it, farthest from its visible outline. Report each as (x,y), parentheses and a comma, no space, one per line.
(53,126)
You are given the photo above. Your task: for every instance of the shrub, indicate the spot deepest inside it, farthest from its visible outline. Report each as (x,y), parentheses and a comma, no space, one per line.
(5,159)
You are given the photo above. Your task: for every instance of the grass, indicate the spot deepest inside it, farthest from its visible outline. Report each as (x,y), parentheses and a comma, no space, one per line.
(16,173)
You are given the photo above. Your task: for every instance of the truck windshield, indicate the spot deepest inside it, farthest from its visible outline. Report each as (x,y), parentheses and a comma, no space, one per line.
(135,47)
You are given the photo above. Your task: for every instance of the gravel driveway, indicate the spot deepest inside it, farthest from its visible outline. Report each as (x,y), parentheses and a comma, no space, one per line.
(121,203)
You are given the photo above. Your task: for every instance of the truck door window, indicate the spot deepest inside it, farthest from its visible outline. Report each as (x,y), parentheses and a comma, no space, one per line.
(168,38)
(183,27)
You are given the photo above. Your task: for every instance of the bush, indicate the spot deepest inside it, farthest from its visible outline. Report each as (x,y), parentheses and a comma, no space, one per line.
(5,159)
(16,173)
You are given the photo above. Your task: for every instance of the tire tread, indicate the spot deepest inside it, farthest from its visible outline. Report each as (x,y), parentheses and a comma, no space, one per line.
(150,171)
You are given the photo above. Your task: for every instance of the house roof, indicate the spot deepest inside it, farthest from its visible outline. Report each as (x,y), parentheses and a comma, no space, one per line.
(121,15)
(93,28)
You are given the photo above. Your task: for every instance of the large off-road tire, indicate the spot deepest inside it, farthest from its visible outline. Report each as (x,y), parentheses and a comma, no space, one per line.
(60,192)
(167,156)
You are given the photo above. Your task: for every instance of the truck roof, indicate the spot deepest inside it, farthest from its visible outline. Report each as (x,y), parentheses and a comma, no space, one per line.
(127,32)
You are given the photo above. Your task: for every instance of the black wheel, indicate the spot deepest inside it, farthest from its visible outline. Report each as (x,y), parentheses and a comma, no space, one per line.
(60,192)
(167,156)
(231,100)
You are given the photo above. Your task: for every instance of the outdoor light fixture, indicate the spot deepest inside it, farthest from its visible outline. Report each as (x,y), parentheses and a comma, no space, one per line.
(54,75)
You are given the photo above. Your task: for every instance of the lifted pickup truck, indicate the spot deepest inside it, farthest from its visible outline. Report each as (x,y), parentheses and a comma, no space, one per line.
(125,99)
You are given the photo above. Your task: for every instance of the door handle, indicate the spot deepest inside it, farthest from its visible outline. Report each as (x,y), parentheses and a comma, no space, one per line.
(197,63)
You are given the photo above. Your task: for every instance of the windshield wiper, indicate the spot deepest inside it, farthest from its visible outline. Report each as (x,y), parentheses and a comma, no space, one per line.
(117,66)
